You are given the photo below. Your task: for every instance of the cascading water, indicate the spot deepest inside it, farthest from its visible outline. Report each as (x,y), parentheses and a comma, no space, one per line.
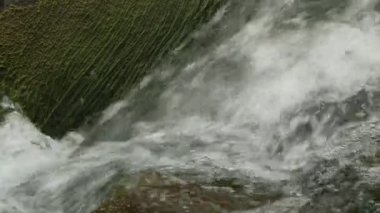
(289,98)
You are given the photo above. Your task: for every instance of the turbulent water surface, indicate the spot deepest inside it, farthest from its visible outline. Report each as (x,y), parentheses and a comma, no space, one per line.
(286,93)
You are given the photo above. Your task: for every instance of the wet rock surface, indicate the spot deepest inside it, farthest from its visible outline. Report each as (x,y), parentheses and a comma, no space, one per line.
(4,4)
(344,190)
(350,182)
(327,187)
(343,182)
(154,192)
(327,118)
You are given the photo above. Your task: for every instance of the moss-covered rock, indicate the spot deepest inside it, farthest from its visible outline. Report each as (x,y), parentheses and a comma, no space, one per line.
(63,60)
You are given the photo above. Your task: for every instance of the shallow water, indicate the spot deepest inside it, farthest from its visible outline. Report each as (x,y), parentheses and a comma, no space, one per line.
(289,96)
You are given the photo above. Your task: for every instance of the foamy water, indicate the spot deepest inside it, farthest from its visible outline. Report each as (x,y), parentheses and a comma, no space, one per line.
(226,110)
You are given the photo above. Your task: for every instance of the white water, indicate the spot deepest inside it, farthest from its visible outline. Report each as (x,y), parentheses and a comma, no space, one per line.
(222,111)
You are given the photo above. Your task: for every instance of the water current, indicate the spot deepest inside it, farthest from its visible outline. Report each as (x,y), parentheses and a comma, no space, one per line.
(285,93)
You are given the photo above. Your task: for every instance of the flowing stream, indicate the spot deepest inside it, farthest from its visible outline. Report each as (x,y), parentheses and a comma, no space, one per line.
(286,93)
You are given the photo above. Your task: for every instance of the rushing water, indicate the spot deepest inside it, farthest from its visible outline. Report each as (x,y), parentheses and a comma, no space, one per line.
(288,88)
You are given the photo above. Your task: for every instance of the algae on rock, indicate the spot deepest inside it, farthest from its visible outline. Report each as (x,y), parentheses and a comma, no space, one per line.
(65,60)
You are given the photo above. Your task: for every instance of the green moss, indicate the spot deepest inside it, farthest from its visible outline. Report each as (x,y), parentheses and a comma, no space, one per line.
(63,60)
